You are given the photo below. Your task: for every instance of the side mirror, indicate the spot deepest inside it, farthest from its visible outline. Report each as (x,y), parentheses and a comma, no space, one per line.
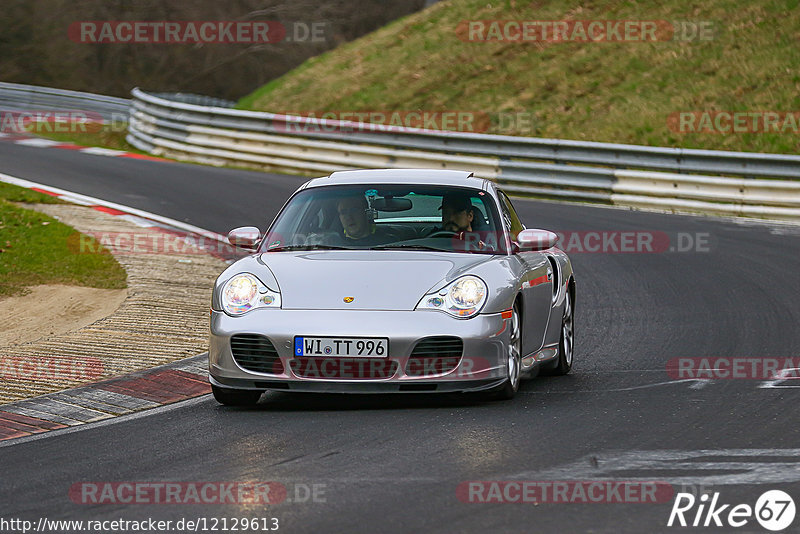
(535,240)
(246,237)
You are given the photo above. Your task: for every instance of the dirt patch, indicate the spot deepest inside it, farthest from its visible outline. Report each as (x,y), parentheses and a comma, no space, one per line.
(163,319)
(54,309)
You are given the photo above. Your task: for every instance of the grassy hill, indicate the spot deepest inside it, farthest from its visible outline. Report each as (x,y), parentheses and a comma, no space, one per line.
(601,91)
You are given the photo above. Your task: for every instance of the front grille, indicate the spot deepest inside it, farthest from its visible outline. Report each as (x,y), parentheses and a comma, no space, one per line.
(344,368)
(435,356)
(255,352)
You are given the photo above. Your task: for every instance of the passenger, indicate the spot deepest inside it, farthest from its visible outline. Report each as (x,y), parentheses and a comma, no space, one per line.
(358,227)
(354,218)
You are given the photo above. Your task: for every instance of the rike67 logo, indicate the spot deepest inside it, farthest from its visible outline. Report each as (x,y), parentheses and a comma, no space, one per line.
(774,510)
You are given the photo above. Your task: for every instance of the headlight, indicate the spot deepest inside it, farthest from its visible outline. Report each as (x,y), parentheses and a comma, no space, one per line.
(245,292)
(463,297)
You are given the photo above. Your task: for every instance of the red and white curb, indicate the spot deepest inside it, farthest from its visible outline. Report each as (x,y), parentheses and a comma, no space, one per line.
(218,244)
(142,390)
(39,142)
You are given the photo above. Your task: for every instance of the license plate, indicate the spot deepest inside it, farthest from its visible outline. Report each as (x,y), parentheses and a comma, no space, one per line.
(349,347)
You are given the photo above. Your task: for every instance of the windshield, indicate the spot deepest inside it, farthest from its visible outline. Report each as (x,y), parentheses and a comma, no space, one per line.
(388,217)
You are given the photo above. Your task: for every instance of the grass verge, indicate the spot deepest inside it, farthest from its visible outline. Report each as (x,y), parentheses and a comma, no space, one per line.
(36,249)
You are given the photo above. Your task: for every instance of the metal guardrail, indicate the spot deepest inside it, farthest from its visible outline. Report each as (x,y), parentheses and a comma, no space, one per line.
(629,175)
(198,100)
(208,130)
(24,98)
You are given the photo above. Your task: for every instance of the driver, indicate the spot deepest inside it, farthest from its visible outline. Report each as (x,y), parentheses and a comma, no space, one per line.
(458,216)
(457,212)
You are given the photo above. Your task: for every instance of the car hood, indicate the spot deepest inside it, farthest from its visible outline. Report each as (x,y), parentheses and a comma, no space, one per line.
(377,280)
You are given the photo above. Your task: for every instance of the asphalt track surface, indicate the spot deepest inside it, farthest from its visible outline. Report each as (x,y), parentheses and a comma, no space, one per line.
(393,463)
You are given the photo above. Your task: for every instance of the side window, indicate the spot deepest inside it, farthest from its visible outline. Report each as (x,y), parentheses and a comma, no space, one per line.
(510,219)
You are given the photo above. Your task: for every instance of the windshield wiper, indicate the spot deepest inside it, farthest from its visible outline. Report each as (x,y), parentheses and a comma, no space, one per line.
(307,247)
(409,246)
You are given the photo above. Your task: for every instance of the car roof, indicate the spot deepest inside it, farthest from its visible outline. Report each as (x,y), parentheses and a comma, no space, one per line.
(400,176)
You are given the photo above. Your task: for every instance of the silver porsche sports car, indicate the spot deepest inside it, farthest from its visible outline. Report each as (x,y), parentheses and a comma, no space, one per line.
(385,281)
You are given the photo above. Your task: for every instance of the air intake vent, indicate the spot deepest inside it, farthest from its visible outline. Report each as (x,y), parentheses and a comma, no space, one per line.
(435,356)
(344,368)
(255,353)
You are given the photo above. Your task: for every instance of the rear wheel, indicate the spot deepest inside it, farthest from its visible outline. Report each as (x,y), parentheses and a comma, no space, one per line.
(235,397)
(566,345)
(513,359)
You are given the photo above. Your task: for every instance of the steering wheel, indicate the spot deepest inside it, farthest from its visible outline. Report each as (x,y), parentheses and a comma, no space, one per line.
(442,233)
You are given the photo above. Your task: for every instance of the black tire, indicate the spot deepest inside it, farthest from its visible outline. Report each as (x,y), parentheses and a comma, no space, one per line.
(236,397)
(514,363)
(566,344)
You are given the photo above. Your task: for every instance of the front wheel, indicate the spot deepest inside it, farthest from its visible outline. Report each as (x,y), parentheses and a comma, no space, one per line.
(513,359)
(235,397)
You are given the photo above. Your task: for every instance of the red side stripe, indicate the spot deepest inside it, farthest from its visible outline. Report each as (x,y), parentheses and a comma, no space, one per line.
(537,281)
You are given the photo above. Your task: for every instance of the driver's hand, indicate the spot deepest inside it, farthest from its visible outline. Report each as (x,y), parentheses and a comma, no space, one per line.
(471,242)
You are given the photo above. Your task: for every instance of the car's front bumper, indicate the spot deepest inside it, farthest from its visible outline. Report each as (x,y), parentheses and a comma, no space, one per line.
(482,366)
